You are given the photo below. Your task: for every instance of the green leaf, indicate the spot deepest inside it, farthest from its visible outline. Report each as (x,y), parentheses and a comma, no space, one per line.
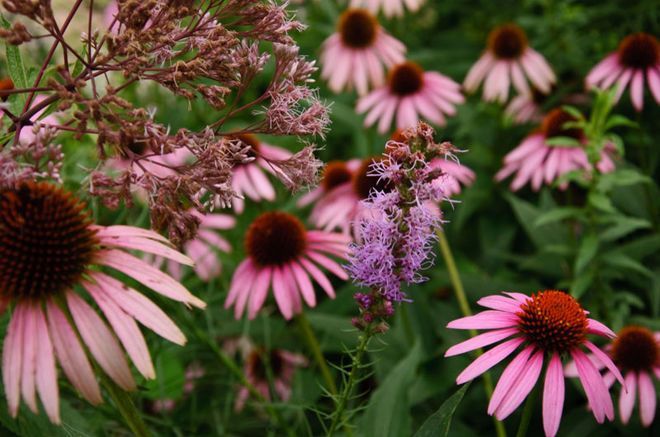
(527,214)
(620,260)
(556,215)
(439,422)
(622,178)
(619,120)
(170,377)
(562,142)
(15,65)
(586,252)
(622,226)
(387,413)
(601,201)
(581,283)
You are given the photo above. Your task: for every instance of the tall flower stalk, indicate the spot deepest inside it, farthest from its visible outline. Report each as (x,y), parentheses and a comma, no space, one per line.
(396,237)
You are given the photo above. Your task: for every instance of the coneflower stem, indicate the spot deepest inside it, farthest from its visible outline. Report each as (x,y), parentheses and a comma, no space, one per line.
(464,305)
(127,408)
(347,389)
(526,415)
(314,346)
(238,373)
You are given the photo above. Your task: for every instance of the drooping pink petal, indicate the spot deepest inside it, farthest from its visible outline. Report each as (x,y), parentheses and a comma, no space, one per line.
(237,281)
(595,327)
(46,370)
(109,232)
(281,292)
(647,398)
(12,357)
(246,291)
(627,398)
(126,329)
(100,341)
(521,387)
(488,359)
(605,360)
(553,396)
(653,79)
(500,303)
(304,284)
(594,387)
(140,307)
(29,357)
(508,379)
(328,264)
(259,292)
(147,275)
(318,276)
(489,319)
(637,90)
(71,355)
(146,245)
(480,340)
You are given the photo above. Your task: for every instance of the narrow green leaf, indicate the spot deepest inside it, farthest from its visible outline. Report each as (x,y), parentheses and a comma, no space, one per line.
(620,260)
(556,215)
(622,226)
(619,120)
(562,142)
(586,253)
(601,201)
(439,422)
(581,283)
(15,65)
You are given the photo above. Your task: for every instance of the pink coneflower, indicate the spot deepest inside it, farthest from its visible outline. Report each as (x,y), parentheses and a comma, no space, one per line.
(335,174)
(636,352)
(249,179)
(283,255)
(537,162)
(390,8)
(509,60)
(409,93)
(48,249)
(525,108)
(282,363)
(547,324)
(356,54)
(638,55)
(202,249)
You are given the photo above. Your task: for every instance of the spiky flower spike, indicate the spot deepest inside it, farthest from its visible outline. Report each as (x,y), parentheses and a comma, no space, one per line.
(397,232)
(49,252)
(548,325)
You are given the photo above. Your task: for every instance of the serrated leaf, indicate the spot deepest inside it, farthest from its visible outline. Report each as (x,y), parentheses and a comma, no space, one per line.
(388,412)
(439,422)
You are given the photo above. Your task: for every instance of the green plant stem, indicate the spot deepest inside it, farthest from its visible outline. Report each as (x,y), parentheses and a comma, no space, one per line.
(314,346)
(464,305)
(526,415)
(127,409)
(407,325)
(347,390)
(238,373)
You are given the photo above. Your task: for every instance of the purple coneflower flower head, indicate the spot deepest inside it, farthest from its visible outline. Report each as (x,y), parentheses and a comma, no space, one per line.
(411,92)
(49,252)
(283,255)
(399,225)
(537,162)
(526,108)
(636,59)
(636,352)
(355,56)
(283,365)
(508,60)
(390,8)
(548,325)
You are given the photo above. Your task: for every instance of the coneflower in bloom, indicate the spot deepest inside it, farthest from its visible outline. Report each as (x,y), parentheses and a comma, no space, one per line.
(283,255)
(410,92)
(335,174)
(283,365)
(535,161)
(355,56)
(390,8)
(638,56)
(636,352)
(548,325)
(249,179)
(202,248)
(49,251)
(509,59)
(526,107)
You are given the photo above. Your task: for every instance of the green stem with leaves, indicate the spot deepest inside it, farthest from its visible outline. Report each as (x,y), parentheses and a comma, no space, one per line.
(126,408)
(347,391)
(464,305)
(314,346)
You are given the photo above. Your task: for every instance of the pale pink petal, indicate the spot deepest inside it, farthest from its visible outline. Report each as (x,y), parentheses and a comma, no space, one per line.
(304,284)
(146,245)
(488,359)
(12,357)
(46,370)
(627,398)
(605,360)
(140,307)
(647,398)
(329,264)
(366,102)
(71,356)
(478,72)
(594,387)
(622,83)
(406,114)
(511,373)
(292,286)
(500,303)
(109,232)
(553,396)
(281,292)
(653,78)
(147,275)
(480,340)
(100,341)
(521,387)
(637,90)
(488,319)
(595,327)
(259,292)
(126,329)
(386,119)
(601,70)
(246,291)
(244,269)
(318,276)
(261,183)
(29,356)
(518,79)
